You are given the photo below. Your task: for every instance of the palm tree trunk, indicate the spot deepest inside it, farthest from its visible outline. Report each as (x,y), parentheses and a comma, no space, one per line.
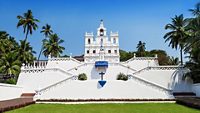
(40,53)
(25,40)
(181,54)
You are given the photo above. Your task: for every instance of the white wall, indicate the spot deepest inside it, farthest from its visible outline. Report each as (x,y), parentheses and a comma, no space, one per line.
(90,89)
(9,91)
(196,89)
(38,80)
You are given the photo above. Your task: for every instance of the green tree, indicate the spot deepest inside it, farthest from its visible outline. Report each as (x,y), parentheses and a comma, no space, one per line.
(28,22)
(196,11)
(163,58)
(52,46)
(177,34)
(47,31)
(25,56)
(141,49)
(173,61)
(193,45)
(9,64)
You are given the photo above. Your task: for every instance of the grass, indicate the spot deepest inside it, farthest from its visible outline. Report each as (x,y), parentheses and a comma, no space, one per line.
(106,108)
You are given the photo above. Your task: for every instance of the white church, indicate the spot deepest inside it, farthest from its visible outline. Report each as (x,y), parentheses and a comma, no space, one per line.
(57,78)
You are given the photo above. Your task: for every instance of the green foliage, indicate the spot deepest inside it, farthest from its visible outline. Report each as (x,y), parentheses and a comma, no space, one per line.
(122,76)
(141,49)
(177,34)
(52,46)
(47,32)
(28,22)
(163,58)
(82,76)
(124,56)
(25,55)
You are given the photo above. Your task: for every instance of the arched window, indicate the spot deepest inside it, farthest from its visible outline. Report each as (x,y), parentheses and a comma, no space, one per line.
(88,51)
(101,32)
(89,41)
(109,51)
(114,40)
(94,51)
(101,41)
(115,51)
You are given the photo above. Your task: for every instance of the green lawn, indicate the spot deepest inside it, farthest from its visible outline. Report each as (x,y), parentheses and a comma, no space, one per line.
(106,108)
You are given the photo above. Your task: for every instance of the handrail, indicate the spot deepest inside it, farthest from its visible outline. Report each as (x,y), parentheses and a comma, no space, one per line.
(59,82)
(127,67)
(77,67)
(157,67)
(150,83)
(68,58)
(139,58)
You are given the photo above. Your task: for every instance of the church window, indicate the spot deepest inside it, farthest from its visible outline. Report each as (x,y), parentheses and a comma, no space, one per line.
(88,51)
(101,32)
(101,41)
(109,51)
(115,51)
(94,51)
(114,40)
(89,41)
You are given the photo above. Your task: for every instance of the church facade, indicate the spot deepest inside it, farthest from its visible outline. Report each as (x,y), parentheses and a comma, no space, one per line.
(101,46)
(57,78)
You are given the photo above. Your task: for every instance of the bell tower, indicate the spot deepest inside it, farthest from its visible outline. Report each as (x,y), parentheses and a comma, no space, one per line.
(101,31)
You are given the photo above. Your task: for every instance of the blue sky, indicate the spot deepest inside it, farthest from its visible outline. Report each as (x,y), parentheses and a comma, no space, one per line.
(135,20)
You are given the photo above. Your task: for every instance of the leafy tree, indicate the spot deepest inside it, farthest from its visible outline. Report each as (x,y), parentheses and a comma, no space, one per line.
(9,64)
(163,58)
(196,10)
(52,46)
(193,45)
(25,56)
(47,31)
(141,49)
(173,61)
(194,65)
(124,56)
(177,34)
(28,22)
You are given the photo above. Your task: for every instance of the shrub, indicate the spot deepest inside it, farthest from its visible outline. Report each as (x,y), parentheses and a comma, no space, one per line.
(82,76)
(122,76)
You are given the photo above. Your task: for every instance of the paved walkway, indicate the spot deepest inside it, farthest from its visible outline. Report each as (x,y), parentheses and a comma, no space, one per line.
(15,103)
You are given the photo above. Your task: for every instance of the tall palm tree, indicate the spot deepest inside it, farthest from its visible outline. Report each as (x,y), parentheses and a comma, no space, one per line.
(47,31)
(194,29)
(9,64)
(141,49)
(28,22)
(52,46)
(196,10)
(177,34)
(25,56)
